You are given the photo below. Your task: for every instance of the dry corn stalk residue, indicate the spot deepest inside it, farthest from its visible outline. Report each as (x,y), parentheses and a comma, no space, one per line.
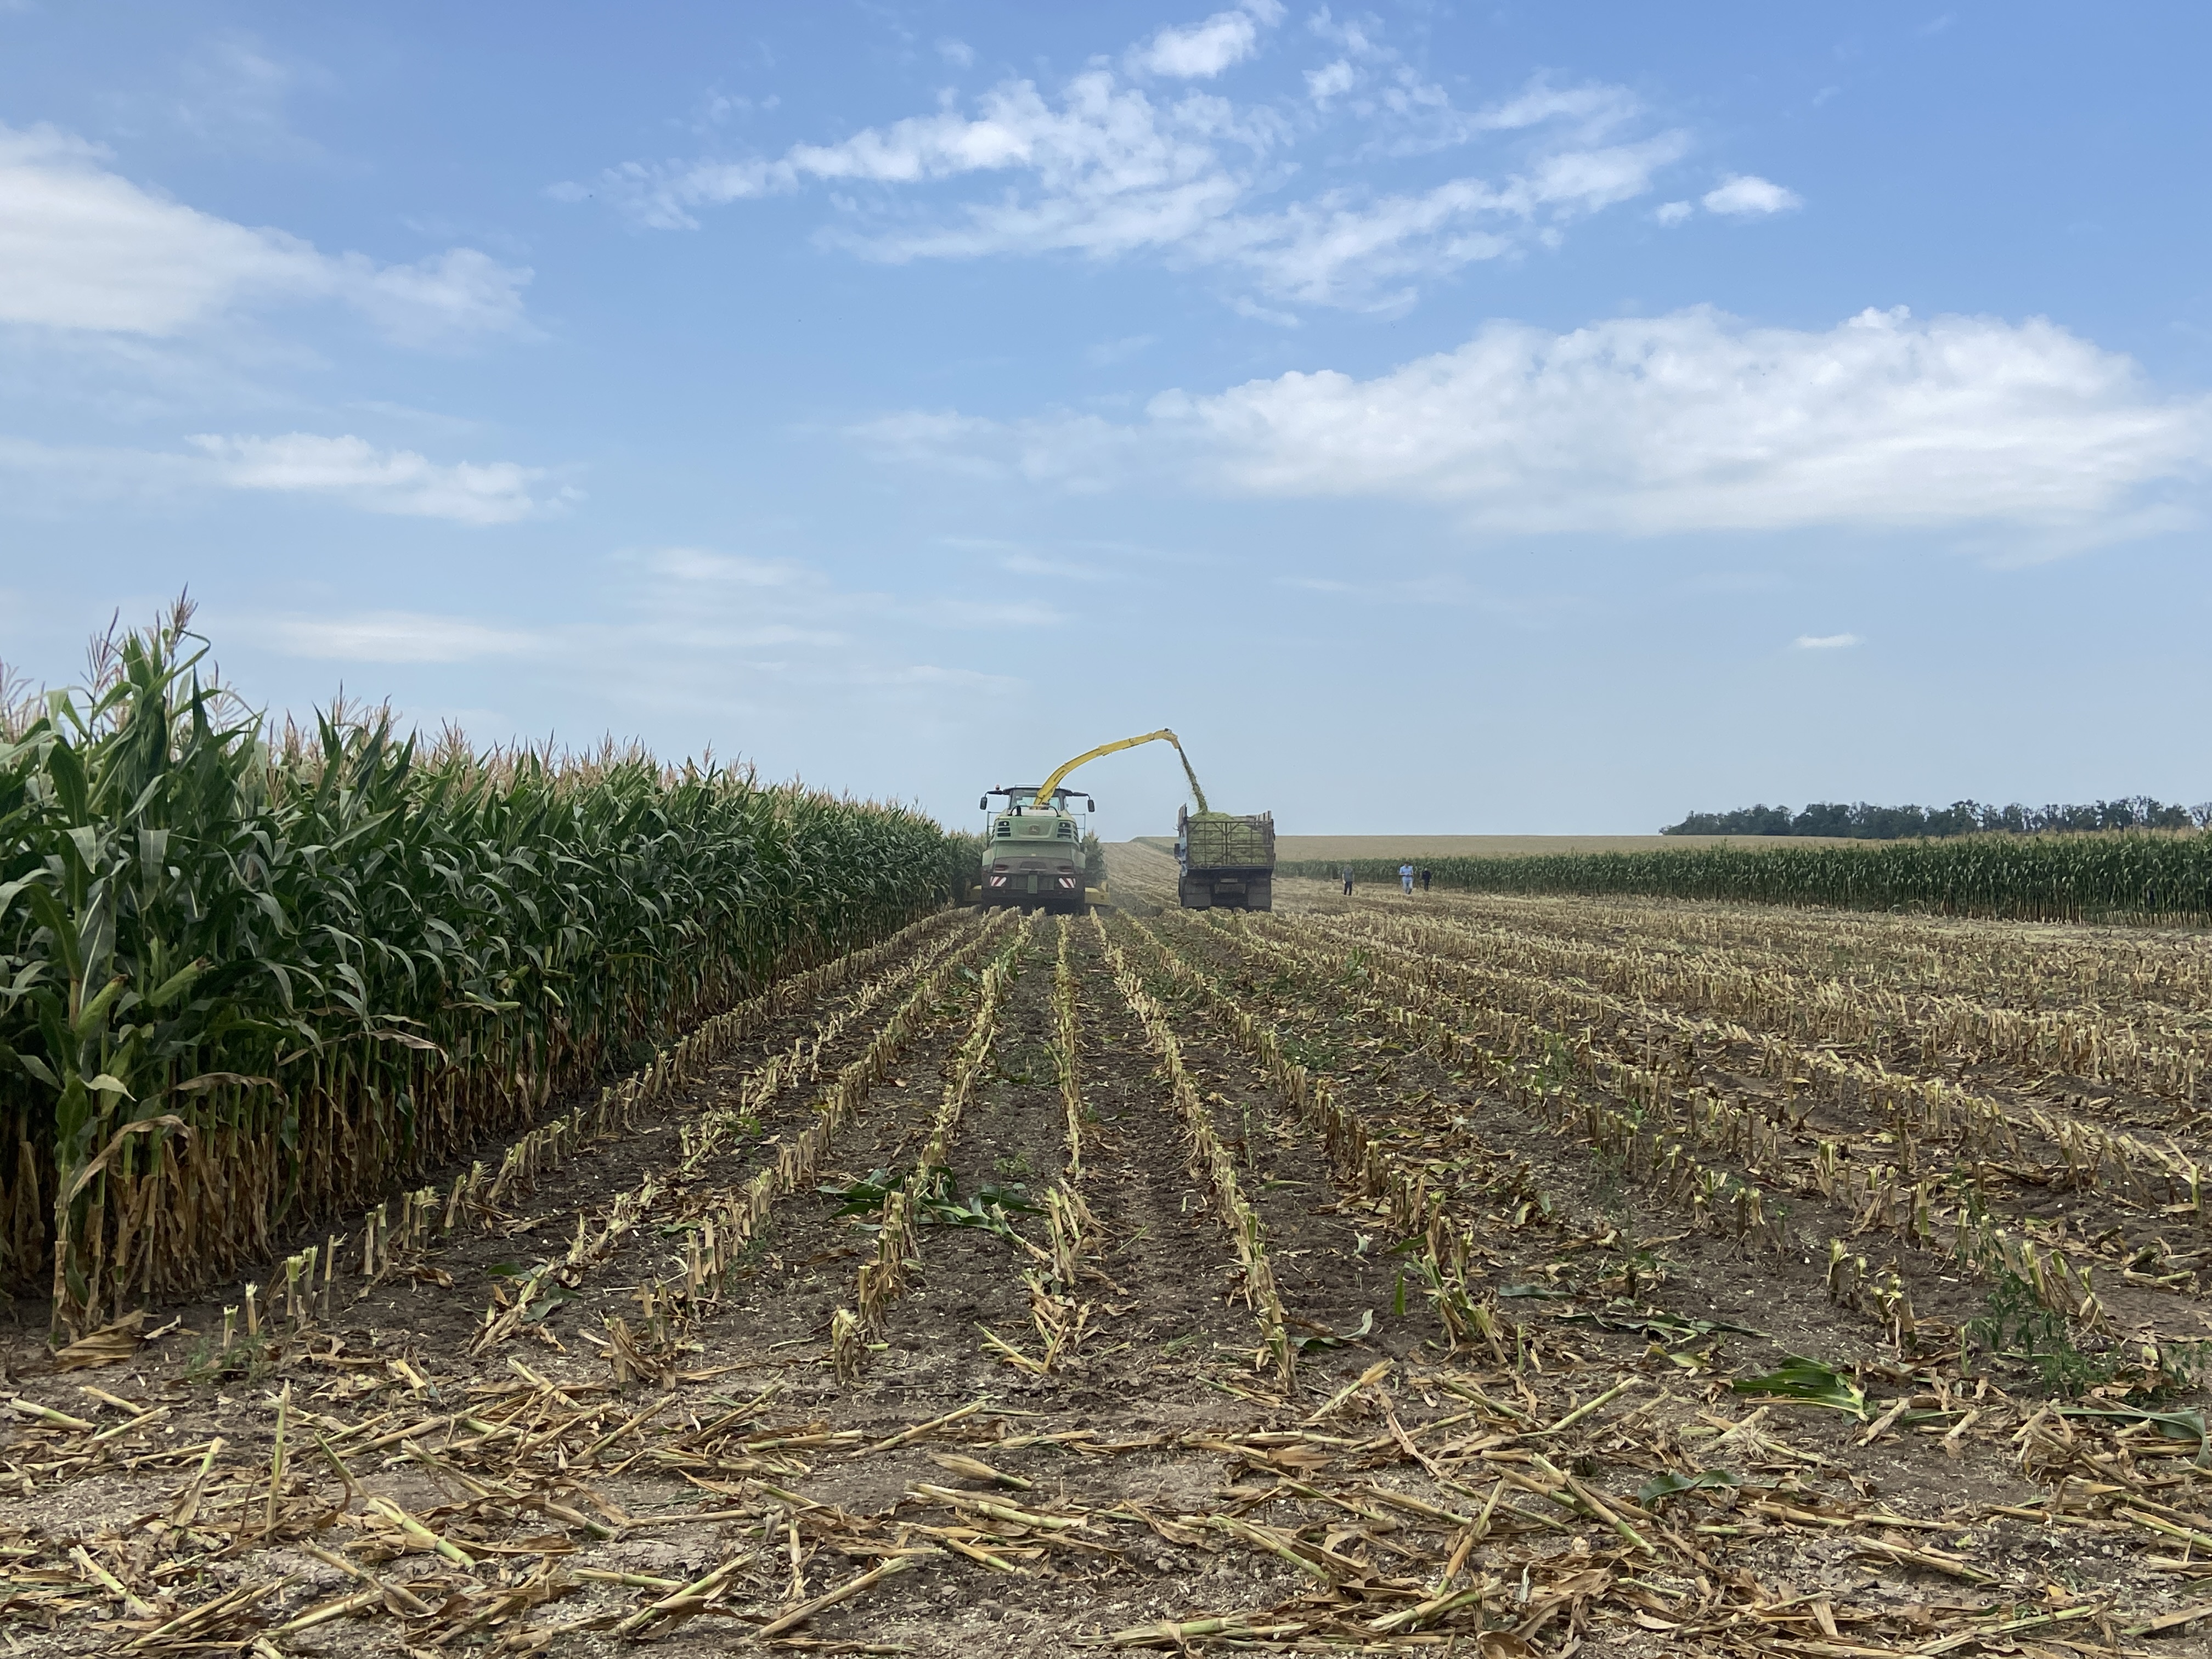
(1481,1275)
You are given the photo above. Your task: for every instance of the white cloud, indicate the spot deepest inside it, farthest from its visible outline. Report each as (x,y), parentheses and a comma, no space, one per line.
(1599,107)
(86,249)
(1341,250)
(1204,50)
(1828,641)
(1695,421)
(693,565)
(349,470)
(1746,194)
(1105,169)
(460,291)
(397,481)
(1331,80)
(1673,213)
(391,636)
(959,53)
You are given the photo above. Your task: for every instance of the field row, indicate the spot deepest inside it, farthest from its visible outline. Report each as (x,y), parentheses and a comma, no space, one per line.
(1025,1285)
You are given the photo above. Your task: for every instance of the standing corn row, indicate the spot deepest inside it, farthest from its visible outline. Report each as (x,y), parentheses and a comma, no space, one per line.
(2039,879)
(251,983)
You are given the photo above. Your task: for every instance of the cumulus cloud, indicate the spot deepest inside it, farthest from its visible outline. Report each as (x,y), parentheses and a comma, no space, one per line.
(1747,196)
(86,249)
(1204,50)
(1331,80)
(391,636)
(1826,642)
(1693,421)
(397,481)
(1106,166)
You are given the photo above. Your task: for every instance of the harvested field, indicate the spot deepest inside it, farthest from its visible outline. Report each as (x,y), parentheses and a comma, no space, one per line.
(1291,848)
(1479,1275)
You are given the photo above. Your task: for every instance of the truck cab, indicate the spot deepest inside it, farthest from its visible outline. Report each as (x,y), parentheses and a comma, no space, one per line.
(1033,850)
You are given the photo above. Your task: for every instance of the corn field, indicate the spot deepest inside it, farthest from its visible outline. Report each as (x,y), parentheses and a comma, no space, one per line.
(2120,877)
(248,983)
(1502,1275)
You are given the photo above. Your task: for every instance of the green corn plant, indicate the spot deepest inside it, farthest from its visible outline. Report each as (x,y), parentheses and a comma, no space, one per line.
(249,977)
(2039,878)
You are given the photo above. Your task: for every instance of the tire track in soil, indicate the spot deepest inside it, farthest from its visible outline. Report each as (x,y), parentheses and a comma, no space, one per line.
(1172,1268)
(1166,1253)
(1329,1281)
(1011,1133)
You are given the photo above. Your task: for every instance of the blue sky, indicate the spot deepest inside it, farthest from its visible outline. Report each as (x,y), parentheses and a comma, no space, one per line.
(1521,418)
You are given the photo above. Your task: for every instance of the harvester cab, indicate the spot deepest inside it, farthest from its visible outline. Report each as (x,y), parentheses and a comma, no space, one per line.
(1033,851)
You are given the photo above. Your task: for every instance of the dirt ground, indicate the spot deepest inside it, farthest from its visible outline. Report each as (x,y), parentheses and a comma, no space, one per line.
(1157,1282)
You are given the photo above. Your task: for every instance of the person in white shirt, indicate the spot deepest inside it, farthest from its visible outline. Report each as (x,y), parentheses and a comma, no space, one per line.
(1406,879)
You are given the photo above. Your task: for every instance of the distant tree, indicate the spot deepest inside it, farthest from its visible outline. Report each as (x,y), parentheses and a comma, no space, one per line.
(1861,822)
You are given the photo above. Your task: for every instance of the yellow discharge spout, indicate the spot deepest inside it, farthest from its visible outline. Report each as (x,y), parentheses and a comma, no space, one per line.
(1044,794)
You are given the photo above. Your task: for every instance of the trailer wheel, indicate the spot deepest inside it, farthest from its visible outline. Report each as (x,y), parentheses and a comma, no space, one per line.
(1194,895)
(1260,895)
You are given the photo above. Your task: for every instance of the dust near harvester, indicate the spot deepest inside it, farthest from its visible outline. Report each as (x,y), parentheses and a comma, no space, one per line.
(1516,1274)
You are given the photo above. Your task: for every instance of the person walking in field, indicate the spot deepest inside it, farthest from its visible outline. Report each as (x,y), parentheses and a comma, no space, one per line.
(1425,878)
(1347,881)
(1406,879)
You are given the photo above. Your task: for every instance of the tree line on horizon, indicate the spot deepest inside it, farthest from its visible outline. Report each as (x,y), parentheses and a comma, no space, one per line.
(1859,821)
